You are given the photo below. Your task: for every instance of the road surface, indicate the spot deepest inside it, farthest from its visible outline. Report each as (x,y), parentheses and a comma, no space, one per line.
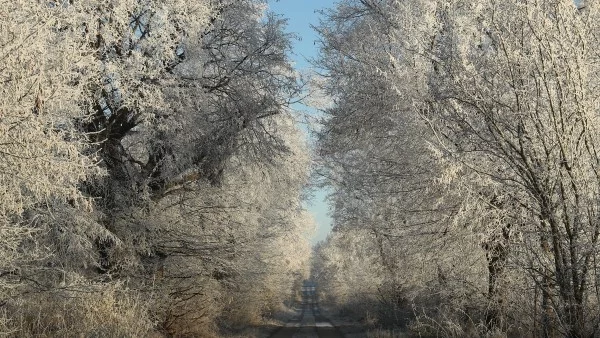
(309,323)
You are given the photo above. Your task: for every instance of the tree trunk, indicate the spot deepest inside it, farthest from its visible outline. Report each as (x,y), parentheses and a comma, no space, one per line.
(496,253)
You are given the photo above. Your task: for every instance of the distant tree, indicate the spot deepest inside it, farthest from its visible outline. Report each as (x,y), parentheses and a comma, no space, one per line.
(377,156)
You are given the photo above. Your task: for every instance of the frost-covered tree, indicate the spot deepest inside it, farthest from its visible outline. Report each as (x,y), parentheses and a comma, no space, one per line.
(225,250)
(214,89)
(133,137)
(376,154)
(43,156)
(515,98)
(507,93)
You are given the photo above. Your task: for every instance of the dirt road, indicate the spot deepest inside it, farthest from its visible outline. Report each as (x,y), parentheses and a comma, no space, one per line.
(309,323)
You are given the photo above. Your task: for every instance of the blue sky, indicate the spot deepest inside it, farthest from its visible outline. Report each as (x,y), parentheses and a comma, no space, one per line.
(301,14)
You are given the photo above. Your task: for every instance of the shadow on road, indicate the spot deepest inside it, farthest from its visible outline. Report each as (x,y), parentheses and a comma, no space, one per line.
(310,322)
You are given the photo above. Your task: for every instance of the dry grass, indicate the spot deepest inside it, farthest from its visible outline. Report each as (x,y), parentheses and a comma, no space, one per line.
(387,334)
(106,311)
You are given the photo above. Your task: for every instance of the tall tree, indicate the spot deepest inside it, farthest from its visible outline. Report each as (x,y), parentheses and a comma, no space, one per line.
(507,91)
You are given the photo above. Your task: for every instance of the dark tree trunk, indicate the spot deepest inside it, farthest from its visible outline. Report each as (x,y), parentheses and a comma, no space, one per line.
(496,253)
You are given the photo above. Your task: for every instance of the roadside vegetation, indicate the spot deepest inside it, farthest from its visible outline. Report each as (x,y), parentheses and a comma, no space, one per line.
(460,140)
(151,170)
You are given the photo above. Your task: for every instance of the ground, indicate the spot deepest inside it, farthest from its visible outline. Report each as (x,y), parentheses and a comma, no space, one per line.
(310,321)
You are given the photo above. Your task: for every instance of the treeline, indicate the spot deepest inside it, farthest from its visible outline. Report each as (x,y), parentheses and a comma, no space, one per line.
(150,168)
(462,143)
